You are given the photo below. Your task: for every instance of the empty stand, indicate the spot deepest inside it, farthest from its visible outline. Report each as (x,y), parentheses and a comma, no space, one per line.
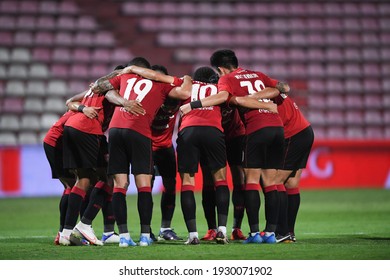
(338,51)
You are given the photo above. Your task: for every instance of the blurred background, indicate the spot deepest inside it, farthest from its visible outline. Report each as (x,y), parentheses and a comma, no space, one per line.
(334,54)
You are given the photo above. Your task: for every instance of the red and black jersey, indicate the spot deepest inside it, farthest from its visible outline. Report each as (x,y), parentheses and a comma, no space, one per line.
(231,122)
(149,93)
(163,124)
(292,118)
(206,116)
(243,82)
(81,122)
(54,134)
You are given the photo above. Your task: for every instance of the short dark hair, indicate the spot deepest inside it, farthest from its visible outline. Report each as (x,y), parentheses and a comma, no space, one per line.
(119,67)
(139,61)
(224,58)
(203,74)
(160,68)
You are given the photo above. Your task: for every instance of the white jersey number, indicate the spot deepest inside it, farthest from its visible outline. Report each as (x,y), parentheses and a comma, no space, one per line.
(140,88)
(258,85)
(199,91)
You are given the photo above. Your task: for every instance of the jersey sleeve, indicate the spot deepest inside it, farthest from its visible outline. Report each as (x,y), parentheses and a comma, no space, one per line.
(268,82)
(224,85)
(115,82)
(177,82)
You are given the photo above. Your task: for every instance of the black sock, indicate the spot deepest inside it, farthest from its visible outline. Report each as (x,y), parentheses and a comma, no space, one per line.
(252,206)
(168,200)
(96,201)
(239,206)
(63,205)
(145,208)
(209,204)
(188,207)
(282,227)
(108,215)
(222,196)
(120,209)
(74,203)
(85,202)
(271,205)
(294,200)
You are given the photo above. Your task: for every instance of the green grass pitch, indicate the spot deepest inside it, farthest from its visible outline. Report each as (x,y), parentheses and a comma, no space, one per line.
(332,225)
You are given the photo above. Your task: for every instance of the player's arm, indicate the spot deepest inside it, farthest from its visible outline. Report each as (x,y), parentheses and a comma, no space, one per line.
(283,87)
(77,97)
(211,100)
(150,74)
(267,93)
(90,112)
(103,84)
(252,103)
(131,106)
(183,91)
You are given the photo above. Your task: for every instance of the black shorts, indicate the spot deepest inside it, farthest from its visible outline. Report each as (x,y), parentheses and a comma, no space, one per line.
(196,142)
(234,150)
(297,149)
(127,147)
(103,152)
(165,162)
(55,159)
(81,150)
(264,148)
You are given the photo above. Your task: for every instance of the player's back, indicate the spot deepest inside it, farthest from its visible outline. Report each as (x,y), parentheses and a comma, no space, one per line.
(149,93)
(206,116)
(242,82)
(293,119)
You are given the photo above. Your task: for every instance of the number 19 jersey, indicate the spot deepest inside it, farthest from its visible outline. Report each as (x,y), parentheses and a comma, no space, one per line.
(149,93)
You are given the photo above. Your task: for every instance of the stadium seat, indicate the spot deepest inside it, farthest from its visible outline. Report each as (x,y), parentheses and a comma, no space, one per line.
(335,133)
(26,22)
(355,132)
(54,105)
(8,139)
(3,72)
(373,118)
(42,54)
(60,70)
(12,105)
(28,138)
(9,122)
(65,23)
(43,38)
(21,55)
(353,101)
(61,54)
(30,122)
(47,120)
(17,71)
(33,105)
(57,88)
(353,117)
(86,23)
(15,88)
(29,7)
(63,39)
(36,88)
(7,22)
(374,133)
(45,22)
(23,38)
(48,7)
(38,71)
